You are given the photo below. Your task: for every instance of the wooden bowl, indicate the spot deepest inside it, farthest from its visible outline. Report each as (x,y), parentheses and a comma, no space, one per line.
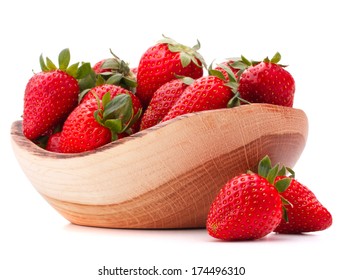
(166,176)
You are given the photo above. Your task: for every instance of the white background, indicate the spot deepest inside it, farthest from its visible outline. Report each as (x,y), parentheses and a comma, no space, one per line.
(37,243)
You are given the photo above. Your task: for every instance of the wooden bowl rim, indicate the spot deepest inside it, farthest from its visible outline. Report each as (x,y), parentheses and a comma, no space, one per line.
(16,130)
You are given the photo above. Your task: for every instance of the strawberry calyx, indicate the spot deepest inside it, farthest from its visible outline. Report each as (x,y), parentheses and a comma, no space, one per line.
(116,114)
(75,70)
(187,54)
(275,60)
(231,82)
(269,172)
(119,73)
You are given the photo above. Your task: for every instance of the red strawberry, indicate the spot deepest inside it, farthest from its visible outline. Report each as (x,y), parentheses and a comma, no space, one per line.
(162,101)
(51,95)
(98,69)
(205,93)
(307,214)
(267,82)
(248,206)
(114,90)
(115,71)
(161,62)
(53,143)
(96,122)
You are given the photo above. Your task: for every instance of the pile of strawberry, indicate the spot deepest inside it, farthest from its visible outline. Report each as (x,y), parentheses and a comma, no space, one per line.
(79,107)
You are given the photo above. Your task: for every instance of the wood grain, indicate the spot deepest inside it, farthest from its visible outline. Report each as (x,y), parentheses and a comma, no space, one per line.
(166,176)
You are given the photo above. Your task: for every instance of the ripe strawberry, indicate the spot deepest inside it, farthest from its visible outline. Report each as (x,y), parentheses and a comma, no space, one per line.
(96,122)
(248,206)
(115,71)
(267,82)
(98,69)
(161,62)
(51,95)
(101,90)
(206,93)
(53,143)
(307,214)
(162,101)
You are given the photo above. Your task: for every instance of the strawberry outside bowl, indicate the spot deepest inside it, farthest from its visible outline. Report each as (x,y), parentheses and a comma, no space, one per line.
(166,176)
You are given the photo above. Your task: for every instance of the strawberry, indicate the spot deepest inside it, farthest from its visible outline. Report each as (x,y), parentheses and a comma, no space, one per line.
(307,214)
(115,71)
(53,143)
(161,62)
(94,123)
(249,206)
(206,93)
(162,101)
(98,69)
(101,90)
(51,95)
(267,82)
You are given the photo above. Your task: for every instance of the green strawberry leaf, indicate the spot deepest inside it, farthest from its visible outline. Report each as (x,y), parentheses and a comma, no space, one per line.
(217,73)
(282,171)
(114,79)
(106,99)
(283,184)
(99,80)
(50,65)
(229,72)
(117,114)
(238,64)
(64,59)
(234,102)
(188,81)
(120,107)
(246,61)
(185,59)
(131,83)
(234,86)
(166,40)
(187,54)
(197,46)
(135,117)
(291,171)
(87,82)
(276,58)
(83,70)
(115,125)
(42,64)
(284,203)
(272,174)
(97,116)
(72,69)
(264,166)
(111,64)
